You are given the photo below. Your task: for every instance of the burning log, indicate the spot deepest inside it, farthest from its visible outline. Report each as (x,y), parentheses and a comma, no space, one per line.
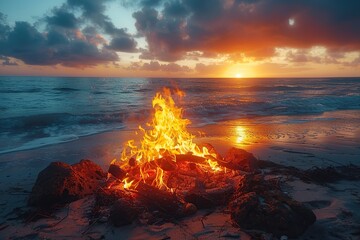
(116,171)
(190,158)
(211,150)
(166,164)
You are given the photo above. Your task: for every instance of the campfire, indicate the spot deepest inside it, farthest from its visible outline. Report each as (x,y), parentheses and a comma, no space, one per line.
(166,175)
(166,156)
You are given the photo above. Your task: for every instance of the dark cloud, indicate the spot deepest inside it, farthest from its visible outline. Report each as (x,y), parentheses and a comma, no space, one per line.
(4,28)
(253,28)
(123,44)
(62,18)
(163,37)
(93,10)
(70,48)
(72,37)
(145,3)
(154,66)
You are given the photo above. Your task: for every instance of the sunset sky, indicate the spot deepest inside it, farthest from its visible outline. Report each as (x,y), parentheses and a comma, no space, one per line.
(180,38)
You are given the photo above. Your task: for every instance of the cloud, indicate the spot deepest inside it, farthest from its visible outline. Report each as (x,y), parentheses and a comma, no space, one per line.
(354,63)
(214,69)
(147,3)
(154,66)
(69,48)
(4,28)
(73,37)
(253,28)
(62,18)
(7,61)
(123,44)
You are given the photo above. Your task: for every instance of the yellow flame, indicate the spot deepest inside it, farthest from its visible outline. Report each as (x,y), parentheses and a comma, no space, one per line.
(127,183)
(165,136)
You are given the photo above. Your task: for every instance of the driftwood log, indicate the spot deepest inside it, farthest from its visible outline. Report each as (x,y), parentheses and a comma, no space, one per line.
(208,198)
(161,200)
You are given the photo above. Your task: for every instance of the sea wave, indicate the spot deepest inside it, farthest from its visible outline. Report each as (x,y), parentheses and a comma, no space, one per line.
(45,129)
(38,111)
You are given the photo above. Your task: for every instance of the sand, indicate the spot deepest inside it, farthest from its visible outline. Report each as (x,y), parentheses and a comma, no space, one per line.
(292,141)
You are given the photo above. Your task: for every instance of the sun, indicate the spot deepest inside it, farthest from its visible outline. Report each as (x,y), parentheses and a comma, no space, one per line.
(291,21)
(238,75)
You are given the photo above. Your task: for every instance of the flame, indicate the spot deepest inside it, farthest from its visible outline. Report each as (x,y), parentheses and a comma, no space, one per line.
(127,183)
(164,137)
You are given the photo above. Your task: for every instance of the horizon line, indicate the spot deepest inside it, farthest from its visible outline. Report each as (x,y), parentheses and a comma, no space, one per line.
(152,77)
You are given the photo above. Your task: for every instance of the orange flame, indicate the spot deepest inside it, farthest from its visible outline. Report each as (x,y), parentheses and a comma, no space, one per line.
(166,136)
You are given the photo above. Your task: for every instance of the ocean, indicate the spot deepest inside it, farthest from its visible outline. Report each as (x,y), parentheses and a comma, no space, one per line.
(38,111)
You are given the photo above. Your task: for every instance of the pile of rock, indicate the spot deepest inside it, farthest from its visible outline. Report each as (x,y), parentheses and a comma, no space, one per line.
(253,202)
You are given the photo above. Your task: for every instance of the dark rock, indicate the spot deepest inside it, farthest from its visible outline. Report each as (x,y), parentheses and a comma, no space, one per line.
(208,198)
(61,183)
(116,171)
(122,213)
(89,169)
(201,201)
(259,204)
(239,159)
(189,209)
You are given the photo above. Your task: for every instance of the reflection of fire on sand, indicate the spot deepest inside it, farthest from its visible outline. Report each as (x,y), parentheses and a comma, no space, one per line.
(166,177)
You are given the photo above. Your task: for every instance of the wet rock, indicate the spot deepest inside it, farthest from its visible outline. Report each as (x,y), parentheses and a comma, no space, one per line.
(259,204)
(61,183)
(239,159)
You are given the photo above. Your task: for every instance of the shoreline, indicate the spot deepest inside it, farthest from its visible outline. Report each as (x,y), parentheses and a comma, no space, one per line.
(261,129)
(300,144)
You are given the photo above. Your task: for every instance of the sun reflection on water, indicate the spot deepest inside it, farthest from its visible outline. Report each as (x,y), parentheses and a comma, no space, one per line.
(240,132)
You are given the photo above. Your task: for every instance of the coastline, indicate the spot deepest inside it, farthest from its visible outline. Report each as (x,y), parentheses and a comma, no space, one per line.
(330,141)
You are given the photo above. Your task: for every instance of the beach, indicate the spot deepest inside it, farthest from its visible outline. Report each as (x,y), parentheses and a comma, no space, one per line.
(327,141)
(179,119)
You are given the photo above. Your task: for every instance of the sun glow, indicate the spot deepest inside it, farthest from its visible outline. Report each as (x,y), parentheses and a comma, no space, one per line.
(238,75)
(291,21)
